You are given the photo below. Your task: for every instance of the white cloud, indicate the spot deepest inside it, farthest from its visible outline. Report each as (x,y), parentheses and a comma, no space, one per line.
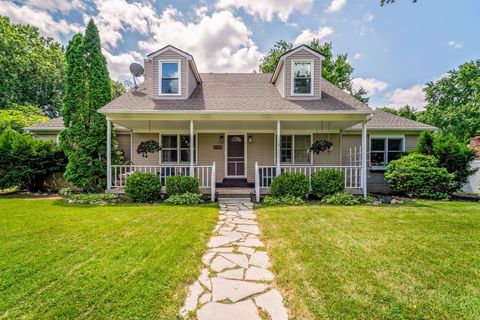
(369,16)
(372,86)
(307,35)
(413,96)
(41,19)
(55,5)
(455,44)
(336,5)
(357,56)
(118,65)
(219,42)
(267,9)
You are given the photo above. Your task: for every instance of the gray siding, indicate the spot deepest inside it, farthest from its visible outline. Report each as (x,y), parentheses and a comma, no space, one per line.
(280,83)
(207,154)
(192,82)
(328,158)
(303,54)
(137,159)
(124,143)
(261,150)
(170,55)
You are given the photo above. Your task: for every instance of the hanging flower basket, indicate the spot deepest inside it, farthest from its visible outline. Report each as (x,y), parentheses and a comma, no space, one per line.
(321,146)
(146,147)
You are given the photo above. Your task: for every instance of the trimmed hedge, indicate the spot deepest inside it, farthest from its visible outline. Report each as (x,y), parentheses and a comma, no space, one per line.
(420,176)
(143,187)
(290,185)
(181,184)
(327,183)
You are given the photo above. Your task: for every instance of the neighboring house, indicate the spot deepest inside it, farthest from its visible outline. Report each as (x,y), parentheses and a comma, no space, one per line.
(248,127)
(473,184)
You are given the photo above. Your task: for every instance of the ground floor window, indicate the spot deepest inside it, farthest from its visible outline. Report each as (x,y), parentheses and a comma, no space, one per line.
(385,149)
(176,148)
(294,149)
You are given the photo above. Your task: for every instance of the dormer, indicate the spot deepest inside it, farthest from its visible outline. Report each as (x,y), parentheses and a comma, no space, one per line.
(298,74)
(172,72)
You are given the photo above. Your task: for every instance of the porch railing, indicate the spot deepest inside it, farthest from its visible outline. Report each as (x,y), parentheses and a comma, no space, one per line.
(204,174)
(264,175)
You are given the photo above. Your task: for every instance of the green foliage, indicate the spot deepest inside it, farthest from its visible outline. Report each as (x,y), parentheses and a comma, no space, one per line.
(87,89)
(32,68)
(327,182)
(341,199)
(420,176)
(143,187)
(117,89)
(406,112)
(337,69)
(146,147)
(451,154)
(18,117)
(383,2)
(26,161)
(93,198)
(187,198)
(181,184)
(288,200)
(454,101)
(290,184)
(320,146)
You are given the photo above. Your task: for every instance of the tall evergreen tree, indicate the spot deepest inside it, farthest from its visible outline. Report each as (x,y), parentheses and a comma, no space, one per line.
(87,89)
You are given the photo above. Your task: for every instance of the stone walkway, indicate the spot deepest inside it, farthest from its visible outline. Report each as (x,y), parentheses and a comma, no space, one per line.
(235,283)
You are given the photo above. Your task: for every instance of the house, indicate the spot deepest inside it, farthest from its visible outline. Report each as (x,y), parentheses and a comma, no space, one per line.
(242,129)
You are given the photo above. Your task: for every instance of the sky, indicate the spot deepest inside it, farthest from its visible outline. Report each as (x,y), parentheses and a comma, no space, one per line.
(394,49)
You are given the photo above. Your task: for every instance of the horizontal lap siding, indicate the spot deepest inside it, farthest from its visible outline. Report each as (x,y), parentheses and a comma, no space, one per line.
(261,150)
(411,142)
(280,83)
(153,158)
(328,158)
(207,154)
(124,143)
(303,54)
(170,55)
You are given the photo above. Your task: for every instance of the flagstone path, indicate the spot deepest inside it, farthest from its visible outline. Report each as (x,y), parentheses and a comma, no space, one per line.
(235,283)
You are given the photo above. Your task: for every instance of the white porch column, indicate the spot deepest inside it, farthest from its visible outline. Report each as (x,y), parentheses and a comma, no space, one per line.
(364,158)
(109,154)
(192,174)
(278,148)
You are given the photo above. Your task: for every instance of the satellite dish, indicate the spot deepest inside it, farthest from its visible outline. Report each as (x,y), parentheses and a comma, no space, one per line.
(136,70)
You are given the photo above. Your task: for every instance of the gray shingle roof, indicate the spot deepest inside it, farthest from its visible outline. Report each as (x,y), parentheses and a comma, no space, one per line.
(56,124)
(387,121)
(240,92)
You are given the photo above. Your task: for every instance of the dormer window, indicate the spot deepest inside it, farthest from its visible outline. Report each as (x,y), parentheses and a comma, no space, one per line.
(170,77)
(302,78)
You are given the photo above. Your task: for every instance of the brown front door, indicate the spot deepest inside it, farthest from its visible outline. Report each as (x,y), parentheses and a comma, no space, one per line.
(236,156)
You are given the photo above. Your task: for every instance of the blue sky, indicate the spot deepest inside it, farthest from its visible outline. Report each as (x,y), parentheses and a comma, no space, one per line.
(394,49)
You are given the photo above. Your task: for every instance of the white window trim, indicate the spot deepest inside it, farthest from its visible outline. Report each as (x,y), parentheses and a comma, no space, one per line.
(292,76)
(385,137)
(178,162)
(293,149)
(160,82)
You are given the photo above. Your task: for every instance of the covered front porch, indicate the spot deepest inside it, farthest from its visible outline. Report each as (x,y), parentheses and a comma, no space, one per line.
(240,150)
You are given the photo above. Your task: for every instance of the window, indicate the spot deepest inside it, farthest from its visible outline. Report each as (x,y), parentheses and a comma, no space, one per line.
(170,78)
(176,148)
(294,149)
(384,150)
(302,82)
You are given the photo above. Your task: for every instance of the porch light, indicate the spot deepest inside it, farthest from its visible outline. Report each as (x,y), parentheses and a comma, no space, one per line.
(222,139)
(250,139)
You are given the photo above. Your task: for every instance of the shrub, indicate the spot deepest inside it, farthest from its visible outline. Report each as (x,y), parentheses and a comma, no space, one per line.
(290,184)
(185,199)
(26,161)
(290,200)
(143,187)
(341,199)
(451,153)
(327,182)
(181,184)
(93,198)
(419,175)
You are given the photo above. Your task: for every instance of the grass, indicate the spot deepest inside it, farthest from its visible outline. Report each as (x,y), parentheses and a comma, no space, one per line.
(414,261)
(98,262)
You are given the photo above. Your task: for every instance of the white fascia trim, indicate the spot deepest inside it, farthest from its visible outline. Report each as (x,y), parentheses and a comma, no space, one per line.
(43,129)
(160,82)
(277,70)
(351,130)
(312,75)
(195,70)
(213,112)
(304,47)
(167,48)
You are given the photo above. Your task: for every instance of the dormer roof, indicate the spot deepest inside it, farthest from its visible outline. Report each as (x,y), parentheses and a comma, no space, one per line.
(185,54)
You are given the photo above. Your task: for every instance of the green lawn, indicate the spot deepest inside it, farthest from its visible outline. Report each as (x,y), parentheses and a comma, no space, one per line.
(98,262)
(413,261)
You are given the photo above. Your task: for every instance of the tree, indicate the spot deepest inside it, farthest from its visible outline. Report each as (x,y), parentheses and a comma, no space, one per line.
(26,161)
(337,70)
(454,101)
(383,2)
(19,117)
(117,89)
(406,112)
(32,68)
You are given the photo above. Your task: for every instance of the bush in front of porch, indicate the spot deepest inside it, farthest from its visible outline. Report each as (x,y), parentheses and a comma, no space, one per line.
(327,183)
(176,185)
(143,187)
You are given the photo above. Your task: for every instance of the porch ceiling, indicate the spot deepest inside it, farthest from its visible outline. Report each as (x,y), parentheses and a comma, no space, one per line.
(232,125)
